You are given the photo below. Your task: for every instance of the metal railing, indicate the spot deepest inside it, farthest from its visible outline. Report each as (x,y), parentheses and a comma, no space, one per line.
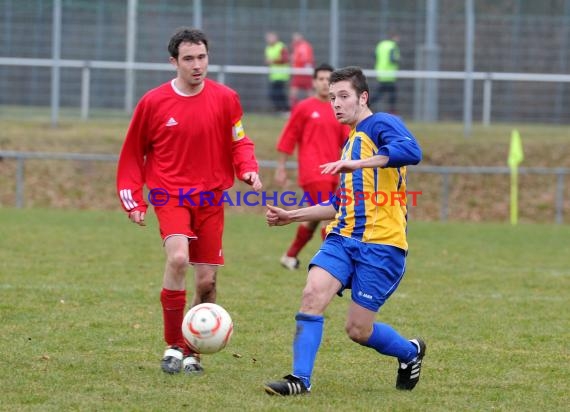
(444,171)
(221,70)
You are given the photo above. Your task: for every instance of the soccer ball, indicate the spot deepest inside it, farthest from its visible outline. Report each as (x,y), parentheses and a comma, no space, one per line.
(207,328)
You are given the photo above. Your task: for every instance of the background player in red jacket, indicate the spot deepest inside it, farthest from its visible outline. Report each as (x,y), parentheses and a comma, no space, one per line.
(319,137)
(301,58)
(184,142)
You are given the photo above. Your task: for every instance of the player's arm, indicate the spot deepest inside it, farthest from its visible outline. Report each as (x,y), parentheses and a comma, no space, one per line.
(252,179)
(399,146)
(349,166)
(130,167)
(277,216)
(243,150)
(245,163)
(243,155)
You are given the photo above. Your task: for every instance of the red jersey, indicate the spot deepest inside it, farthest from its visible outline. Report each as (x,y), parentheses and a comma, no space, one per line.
(302,54)
(320,137)
(183,143)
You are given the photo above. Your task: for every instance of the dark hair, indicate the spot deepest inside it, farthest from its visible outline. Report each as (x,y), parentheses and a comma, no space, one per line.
(323,67)
(354,75)
(186,35)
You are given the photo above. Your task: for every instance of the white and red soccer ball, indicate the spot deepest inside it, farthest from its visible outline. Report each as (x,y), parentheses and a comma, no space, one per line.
(207,328)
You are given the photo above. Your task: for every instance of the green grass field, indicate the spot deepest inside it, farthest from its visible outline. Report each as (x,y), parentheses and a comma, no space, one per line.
(81,320)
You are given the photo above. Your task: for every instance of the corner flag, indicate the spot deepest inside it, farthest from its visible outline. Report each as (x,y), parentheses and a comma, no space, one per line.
(516,156)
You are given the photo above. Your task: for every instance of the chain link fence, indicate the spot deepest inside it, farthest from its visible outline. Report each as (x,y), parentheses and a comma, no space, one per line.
(511,36)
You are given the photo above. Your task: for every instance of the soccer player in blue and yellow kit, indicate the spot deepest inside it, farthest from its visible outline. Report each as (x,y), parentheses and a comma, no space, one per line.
(366,247)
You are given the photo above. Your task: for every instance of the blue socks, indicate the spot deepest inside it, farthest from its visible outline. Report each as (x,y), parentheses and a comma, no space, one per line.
(387,341)
(306,345)
(384,339)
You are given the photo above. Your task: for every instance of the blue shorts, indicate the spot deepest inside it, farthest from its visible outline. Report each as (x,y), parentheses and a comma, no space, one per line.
(372,271)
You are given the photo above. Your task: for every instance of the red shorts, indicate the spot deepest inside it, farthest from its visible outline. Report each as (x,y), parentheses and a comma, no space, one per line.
(302,82)
(319,192)
(202,223)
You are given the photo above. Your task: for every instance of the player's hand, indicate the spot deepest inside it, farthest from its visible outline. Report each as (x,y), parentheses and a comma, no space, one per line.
(252,179)
(340,166)
(136,216)
(281,176)
(276,216)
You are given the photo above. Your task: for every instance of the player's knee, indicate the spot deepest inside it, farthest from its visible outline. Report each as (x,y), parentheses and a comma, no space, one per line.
(178,261)
(309,296)
(357,332)
(205,280)
(311,301)
(206,285)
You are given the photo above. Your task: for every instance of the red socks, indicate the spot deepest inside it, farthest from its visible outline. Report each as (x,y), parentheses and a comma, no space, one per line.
(301,239)
(173,303)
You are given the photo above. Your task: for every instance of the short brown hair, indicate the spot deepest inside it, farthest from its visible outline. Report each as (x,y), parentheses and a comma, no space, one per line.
(186,35)
(354,75)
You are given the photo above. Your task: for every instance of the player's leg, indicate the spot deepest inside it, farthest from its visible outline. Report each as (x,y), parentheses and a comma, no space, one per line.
(173,301)
(329,271)
(174,228)
(361,328)
(176,251)
(206,256)
(206,251)
(204,291)
(274,95)
(204,283)
(283,101)
(377,275)
(320,289)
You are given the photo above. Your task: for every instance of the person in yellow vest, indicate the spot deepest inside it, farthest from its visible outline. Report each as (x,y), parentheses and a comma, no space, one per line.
(387,64)
(277,58)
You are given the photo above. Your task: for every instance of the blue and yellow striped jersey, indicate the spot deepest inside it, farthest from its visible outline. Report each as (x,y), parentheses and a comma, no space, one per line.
(371,202)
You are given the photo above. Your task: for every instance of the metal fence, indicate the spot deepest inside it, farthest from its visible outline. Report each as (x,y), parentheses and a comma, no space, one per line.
(503,60)
(446,172)
(222,72)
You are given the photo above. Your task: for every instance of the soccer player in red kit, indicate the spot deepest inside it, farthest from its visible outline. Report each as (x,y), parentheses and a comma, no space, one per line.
(184,141)
(319,137)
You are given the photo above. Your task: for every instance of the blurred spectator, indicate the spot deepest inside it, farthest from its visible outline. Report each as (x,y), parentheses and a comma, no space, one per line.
(387,64)
(277,58)
(301,57)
